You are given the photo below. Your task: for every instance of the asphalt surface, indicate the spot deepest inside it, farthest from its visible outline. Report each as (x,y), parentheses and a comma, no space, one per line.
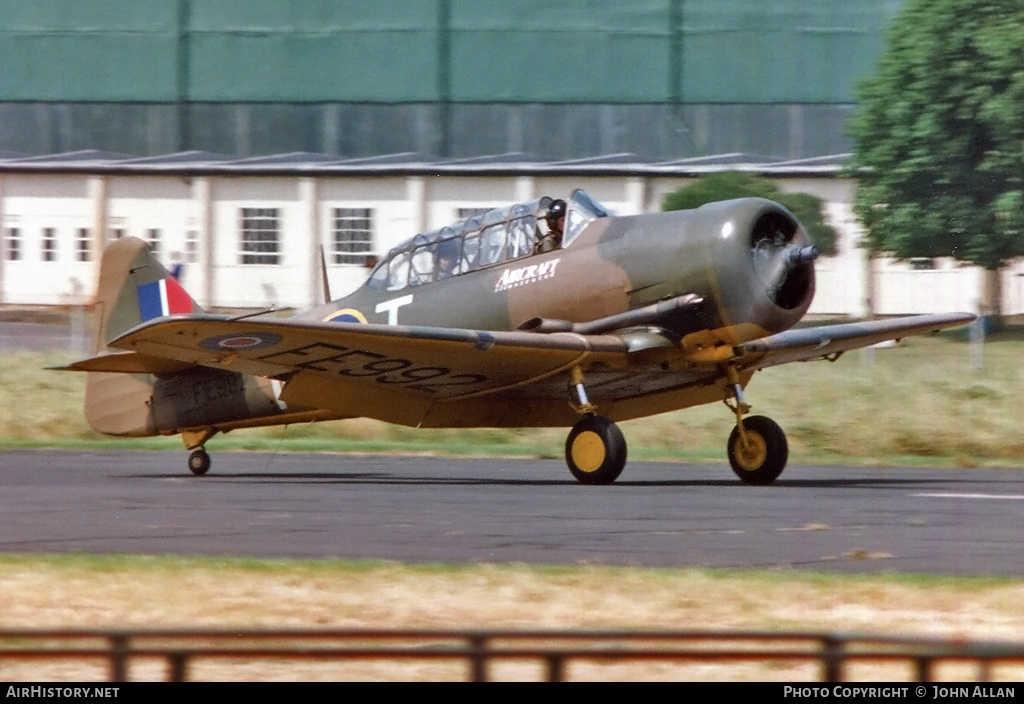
(431,509)
(71,336)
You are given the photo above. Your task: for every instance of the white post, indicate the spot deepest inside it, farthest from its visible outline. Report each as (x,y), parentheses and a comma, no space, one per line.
(636,195)
(309,196)
(97,189)
(416,193)
(526,189)
(202,195)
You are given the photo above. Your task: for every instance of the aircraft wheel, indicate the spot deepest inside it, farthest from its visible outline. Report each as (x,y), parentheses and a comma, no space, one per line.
(595,450)
(199,462)
(763,460)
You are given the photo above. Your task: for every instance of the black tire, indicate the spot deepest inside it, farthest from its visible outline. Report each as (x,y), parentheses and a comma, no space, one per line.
(595,450)
(764,460)
(199,463)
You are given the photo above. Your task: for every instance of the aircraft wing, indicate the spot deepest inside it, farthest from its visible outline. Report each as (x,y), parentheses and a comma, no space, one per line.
(448,377)
(804,344)
(396,373)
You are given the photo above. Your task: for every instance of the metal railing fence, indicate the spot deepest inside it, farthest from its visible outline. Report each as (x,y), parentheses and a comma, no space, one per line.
(480,649)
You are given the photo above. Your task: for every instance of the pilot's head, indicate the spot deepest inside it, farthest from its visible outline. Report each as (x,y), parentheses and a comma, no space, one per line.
(556,215)
(448,256)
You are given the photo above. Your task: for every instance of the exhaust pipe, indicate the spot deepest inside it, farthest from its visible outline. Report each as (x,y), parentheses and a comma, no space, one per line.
(648,315)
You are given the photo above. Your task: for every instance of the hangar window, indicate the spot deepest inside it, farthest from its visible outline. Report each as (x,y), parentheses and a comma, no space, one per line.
(191,247)
(116,230)
(153,240)
(12,252)
(352,235)
(82,244)
(49,251)
(261,235)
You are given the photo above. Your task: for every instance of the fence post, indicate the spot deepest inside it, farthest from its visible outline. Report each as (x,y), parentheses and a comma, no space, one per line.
(923,668)
(176,667)
(832,659)
(556,667)
(119,657)
(478,658)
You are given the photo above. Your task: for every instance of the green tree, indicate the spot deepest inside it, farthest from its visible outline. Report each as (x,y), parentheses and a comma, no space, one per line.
(939,132)
(734,184)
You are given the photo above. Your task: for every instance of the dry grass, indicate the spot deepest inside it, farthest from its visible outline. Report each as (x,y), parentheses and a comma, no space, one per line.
(921,402)
(170,592)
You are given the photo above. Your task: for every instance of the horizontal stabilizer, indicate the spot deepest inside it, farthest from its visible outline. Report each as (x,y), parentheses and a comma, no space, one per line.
(125,363)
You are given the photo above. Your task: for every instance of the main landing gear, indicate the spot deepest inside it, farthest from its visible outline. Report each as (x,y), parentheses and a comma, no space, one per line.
(596,450)
(757,447)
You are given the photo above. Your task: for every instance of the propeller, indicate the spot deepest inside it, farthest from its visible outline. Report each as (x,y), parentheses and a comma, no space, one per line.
(775,260)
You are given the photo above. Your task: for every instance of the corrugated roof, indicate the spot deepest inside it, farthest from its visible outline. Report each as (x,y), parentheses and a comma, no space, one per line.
(288,159)
(498,159)
(197,163)
(77,157)
(189,157)
(621,158)
(400,158)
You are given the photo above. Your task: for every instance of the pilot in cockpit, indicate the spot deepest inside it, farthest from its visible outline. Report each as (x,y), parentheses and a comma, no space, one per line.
(448,258)
(555,219)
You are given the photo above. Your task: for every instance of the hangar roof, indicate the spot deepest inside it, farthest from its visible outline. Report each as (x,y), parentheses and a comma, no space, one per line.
(199,163)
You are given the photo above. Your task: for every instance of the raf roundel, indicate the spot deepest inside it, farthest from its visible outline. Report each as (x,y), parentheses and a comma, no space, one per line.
(241,341)
(346,315)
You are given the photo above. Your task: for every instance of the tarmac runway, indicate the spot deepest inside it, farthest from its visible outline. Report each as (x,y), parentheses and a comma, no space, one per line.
(458,510)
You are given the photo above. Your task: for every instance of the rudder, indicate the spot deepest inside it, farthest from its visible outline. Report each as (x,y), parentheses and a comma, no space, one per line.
(133,287)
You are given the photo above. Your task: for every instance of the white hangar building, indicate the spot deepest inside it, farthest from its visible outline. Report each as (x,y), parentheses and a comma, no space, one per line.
(248,232)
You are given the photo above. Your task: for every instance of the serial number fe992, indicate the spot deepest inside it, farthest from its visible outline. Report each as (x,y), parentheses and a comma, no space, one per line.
(345,361)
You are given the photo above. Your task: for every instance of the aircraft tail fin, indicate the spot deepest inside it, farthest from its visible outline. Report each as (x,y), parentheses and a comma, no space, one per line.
(134,287)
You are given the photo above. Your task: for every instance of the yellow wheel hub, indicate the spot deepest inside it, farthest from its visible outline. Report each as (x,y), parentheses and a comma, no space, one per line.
(753,456)
(588,451)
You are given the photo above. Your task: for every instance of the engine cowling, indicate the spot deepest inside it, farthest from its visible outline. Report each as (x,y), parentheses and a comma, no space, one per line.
(749,259)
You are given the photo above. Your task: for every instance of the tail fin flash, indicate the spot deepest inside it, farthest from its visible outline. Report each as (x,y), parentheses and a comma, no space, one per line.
(134,287)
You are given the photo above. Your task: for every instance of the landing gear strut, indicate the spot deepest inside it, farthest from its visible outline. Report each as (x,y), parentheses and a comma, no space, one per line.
(595,449)
(199,462)
(757,446)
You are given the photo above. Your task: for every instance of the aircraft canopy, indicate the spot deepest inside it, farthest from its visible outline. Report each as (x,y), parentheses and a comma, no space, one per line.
(497,236)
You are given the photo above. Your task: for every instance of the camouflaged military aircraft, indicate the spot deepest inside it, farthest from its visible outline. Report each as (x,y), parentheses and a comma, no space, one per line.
(469,326)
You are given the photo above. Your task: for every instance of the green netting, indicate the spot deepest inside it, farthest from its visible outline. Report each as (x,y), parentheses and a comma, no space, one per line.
(394,51)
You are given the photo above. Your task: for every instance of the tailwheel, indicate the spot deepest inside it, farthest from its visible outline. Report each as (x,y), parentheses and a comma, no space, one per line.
(758,452)
(199,462)
(595,450)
